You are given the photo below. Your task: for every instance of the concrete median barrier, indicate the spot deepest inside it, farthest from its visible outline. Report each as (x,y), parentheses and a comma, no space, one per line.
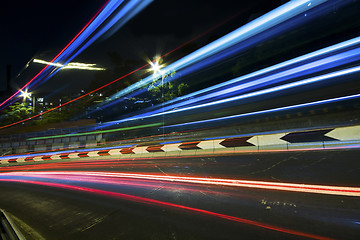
(344,137)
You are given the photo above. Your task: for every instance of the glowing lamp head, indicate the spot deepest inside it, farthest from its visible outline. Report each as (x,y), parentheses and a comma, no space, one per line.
(155,66)
(25,94)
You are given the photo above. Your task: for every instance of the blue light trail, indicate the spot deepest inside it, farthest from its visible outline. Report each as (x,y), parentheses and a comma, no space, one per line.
(350,97)
(277,77)
(267,21)
(118,11)
(96,31)
(274,89)
(328,50)
(328,61)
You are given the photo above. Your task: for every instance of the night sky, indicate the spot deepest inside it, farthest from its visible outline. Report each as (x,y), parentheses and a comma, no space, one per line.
(42,28)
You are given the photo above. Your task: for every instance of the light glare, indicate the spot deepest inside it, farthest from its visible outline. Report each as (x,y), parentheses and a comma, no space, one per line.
(25,94)
(156,67)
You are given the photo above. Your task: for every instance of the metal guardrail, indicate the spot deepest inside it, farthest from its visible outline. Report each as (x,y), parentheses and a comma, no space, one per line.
(8,230)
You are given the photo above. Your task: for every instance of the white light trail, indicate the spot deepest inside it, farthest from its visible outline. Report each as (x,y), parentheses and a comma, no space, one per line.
(72,65)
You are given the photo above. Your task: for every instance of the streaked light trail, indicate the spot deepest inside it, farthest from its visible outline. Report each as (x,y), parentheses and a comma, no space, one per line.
(73,100)
(306,57)
(159,203)
(277,77)
(355,96)
(293,187)
(108,84)
(72,65)
(256,26)
(255,94)
(332,61)
(275,89)
(274,17)
(77,35)
(97,26)
(98,132)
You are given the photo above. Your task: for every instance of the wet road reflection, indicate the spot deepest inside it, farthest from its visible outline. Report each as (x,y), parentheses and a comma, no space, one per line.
(254,207)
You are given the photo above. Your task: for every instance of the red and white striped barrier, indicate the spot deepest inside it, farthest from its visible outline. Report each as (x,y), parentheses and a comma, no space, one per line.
(292,140)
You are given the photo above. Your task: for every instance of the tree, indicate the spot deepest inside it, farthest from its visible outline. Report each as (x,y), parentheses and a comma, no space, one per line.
(52,117)
(16,112)
(162,90)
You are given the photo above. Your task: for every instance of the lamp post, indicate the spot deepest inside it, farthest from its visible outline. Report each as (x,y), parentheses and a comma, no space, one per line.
(33,102)
(156,68)
(28,95)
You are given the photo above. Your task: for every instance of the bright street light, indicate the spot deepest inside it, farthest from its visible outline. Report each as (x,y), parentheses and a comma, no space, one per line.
(155,66)
(25,94)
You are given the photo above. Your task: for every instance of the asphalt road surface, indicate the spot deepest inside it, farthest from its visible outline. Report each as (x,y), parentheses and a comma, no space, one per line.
(297,195)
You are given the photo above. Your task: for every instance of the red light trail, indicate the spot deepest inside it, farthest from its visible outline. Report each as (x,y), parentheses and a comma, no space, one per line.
(73,100)
(27,84)
(170,205)
(292,187)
